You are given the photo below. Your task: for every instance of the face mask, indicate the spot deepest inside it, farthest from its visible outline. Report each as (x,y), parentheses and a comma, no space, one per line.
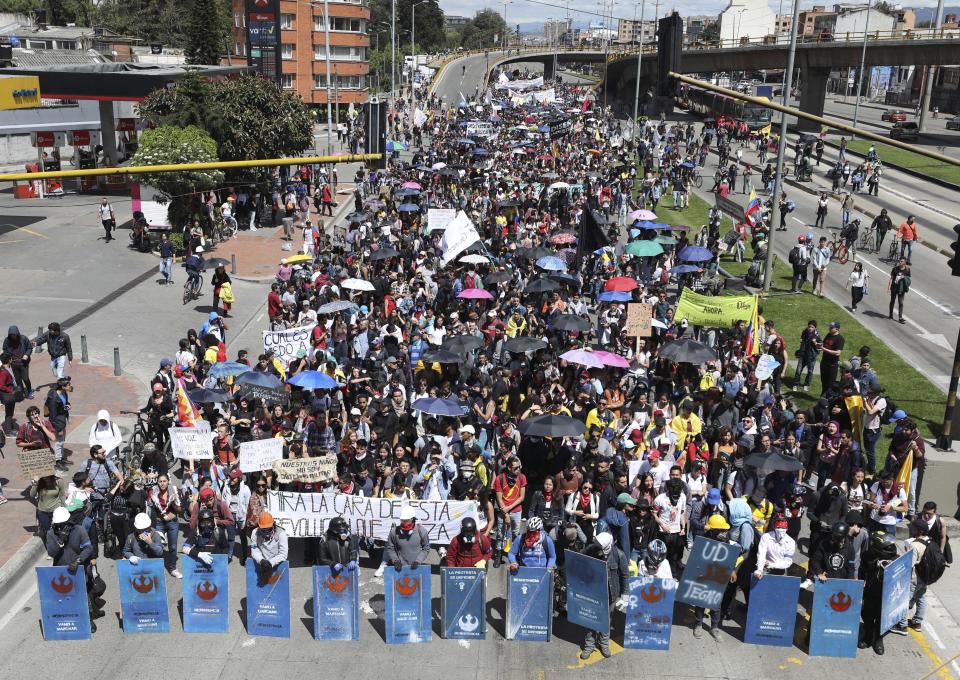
(344,537)
(266,534)
(779,533)
(468,538)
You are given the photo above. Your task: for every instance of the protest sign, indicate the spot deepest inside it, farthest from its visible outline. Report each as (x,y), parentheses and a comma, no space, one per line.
(306,514)
(480,128)
(639,315)
(713,311)
(270,395)
(439,218)
(588,604)
(835,617)
(896,591)
(530,604)
(205,595)
(463,602)
(37,463)
(408,613)
(268,602)
(64,611)
(305,469)
(143,596)
(766,365)
(459,235)
(260,454)
(772,614)
(336,604)
(707,573)
(649,612)
(285,344)
(192,442)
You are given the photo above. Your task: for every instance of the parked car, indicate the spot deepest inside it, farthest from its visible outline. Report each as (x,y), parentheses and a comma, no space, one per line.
(905,131)
(893,115)
(954,123)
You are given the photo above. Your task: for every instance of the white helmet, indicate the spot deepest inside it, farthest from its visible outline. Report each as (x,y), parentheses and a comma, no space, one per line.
(198,249)
(606,542)
(141,521)
(61,515)
(534,524)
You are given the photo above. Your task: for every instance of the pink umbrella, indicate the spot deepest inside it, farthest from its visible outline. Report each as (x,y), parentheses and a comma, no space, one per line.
(412,185)
(641,215)
(584,357)
(563,238)
(475,294)
(611,359)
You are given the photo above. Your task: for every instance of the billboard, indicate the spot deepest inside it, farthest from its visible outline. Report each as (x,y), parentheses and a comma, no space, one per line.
(263,38)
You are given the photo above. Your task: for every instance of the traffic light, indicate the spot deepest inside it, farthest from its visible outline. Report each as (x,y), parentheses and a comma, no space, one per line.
(669,45)
(954,261)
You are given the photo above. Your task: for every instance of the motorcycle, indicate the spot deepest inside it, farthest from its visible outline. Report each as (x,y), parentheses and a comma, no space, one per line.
(140,233)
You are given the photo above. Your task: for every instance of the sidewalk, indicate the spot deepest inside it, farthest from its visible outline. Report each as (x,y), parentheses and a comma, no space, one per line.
(95,388)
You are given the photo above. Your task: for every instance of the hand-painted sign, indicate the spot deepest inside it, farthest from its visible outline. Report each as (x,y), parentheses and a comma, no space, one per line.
(205,590)
(64,612)
(143,596)
(707,573)
(649,613)
(588,602)
(463,603)
(835,617)
(268,601)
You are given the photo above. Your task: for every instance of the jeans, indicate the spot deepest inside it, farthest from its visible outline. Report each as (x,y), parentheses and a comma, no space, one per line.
(57,365)
(593,639)
(58,440)
(918,599)
(676,199)
(166,268)
(170,529)
(906,247)
(44,521)
(801,366)
(846,217)
(870,439)
(233,531)
(912,496)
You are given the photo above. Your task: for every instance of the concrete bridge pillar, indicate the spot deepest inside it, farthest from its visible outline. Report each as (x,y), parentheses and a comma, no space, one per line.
(814,93)
(548,72)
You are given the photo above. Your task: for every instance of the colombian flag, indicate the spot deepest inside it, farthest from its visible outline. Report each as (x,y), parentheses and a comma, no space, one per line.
(753,341)
(754,203)
(187,414)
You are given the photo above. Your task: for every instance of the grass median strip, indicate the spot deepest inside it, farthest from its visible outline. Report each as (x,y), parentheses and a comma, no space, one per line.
(909,160)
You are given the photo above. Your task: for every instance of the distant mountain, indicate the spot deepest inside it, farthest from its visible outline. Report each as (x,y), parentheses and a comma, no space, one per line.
(930,13)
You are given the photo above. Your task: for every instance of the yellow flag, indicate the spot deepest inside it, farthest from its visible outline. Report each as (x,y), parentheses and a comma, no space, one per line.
(854,406)
(903,477)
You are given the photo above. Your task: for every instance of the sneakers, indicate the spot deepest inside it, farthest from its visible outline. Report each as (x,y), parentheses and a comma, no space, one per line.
(379,572)
(715,633)
(605,652)
(3,499)
(175,573)
(900,629)
(916,625)
(878,646)
(586,654)
(31,394)
(698,631)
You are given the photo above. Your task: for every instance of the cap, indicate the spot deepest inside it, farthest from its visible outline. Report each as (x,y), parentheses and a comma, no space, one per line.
(406,513)
(141,521)
(854,517)
(198,249)
(626,499)
(713,497)
(266,520)
(801,239)
(654,454)
(355,411)
(468,428)
(213,316)
(780,523)
(165,362)
(236,474)
(206,493)
(636,436)
(835,324)
(61,515)
(899,414)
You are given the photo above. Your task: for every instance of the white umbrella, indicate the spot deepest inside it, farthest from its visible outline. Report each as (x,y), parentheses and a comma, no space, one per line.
(357,284)
(560,185)
(474,258)
(438,166)
(657,324)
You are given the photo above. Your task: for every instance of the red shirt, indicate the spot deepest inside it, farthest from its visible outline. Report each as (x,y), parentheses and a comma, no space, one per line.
(273,304)
(511,494)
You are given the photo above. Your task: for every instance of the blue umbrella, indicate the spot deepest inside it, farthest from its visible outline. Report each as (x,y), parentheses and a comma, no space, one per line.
(552,263)
(565,276)
(469,142)
(313,380)
(696,254)
(649,226)
(396,146)
(403,193)
(227,369)
(614,296)
(543,128)
(634,233)
(684,269)
(409,207)
(480,152)
(259,379)
(438,407)
(688,164)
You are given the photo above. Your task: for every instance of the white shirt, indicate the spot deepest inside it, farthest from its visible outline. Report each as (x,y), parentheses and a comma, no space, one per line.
(774,554)
(880,498)
(670,514)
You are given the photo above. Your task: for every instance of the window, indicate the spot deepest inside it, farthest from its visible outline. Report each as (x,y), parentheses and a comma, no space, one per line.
(318,23)
(340,53)
(238,20)
(237,49)
(286,81)
(286,21)
(348,25)
(349,82)
(286,51)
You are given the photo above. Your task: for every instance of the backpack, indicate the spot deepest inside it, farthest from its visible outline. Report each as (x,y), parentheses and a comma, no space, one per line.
(888,412)
(932,565)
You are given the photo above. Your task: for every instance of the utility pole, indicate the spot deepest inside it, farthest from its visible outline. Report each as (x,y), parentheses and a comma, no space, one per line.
(393,47)
(863,60)
(931,75)
(636,93)
(781,149)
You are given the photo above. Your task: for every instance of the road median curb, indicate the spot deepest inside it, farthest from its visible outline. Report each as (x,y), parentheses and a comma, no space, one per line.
(16,567)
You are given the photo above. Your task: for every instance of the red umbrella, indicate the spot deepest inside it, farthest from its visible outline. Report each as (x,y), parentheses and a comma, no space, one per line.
(545,157)
(620,283)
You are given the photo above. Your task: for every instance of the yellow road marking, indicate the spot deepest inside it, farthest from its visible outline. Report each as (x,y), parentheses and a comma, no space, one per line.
(31,231)
(17,241)
(595,657)
(927,650)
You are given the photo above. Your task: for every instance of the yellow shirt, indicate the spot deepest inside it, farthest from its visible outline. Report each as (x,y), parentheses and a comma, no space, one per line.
(686,429)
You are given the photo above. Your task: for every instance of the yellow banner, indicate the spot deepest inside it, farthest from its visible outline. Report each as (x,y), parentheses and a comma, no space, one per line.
(855,409)
(19,92)
(715,312)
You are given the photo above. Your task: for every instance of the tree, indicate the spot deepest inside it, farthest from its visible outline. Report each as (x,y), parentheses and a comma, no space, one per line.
(430,25)
(710,32)
(485,29)
(206,33)
(169,144)
(63,12)
(163,21)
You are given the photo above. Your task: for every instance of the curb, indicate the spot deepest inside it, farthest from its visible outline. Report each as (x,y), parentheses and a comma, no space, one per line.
(15,567)
(907,171)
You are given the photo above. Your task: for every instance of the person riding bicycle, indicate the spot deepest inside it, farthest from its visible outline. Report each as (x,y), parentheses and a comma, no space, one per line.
(850,234)
(194,265)
(533,549)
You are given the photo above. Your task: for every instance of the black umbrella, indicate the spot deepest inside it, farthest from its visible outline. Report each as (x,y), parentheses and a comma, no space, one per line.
(383,254)
(524,344)
(260,379)
(497,277)
(538,252)
(205,396)
(523,252)
(775,460)
(442,356)
(358,217)
(541,286)
(687,351)
(552,426)
(461,344)
(510,203)
(215,262)
(449,172)
(570,322)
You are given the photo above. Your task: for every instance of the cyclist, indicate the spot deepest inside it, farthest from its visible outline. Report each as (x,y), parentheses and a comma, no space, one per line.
(534,548)
(194,265)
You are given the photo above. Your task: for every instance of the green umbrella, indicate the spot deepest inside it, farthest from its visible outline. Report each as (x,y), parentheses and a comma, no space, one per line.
(644,248)
(666,240)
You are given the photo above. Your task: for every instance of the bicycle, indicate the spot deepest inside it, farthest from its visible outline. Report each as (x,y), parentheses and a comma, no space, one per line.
(696,179)
(839,251)
(192,287)
(867,240)
(133,452)
(893,254)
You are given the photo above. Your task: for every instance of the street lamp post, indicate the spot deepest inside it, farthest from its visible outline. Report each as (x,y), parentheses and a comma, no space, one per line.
(636,93)
(863,59)
(781,149)
(413,49)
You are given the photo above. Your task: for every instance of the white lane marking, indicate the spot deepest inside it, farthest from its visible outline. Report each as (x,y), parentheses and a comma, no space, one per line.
(935,338)
(938,305)
(21,603)
(40,298)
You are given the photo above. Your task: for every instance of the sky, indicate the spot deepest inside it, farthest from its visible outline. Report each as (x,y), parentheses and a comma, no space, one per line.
(526,11)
